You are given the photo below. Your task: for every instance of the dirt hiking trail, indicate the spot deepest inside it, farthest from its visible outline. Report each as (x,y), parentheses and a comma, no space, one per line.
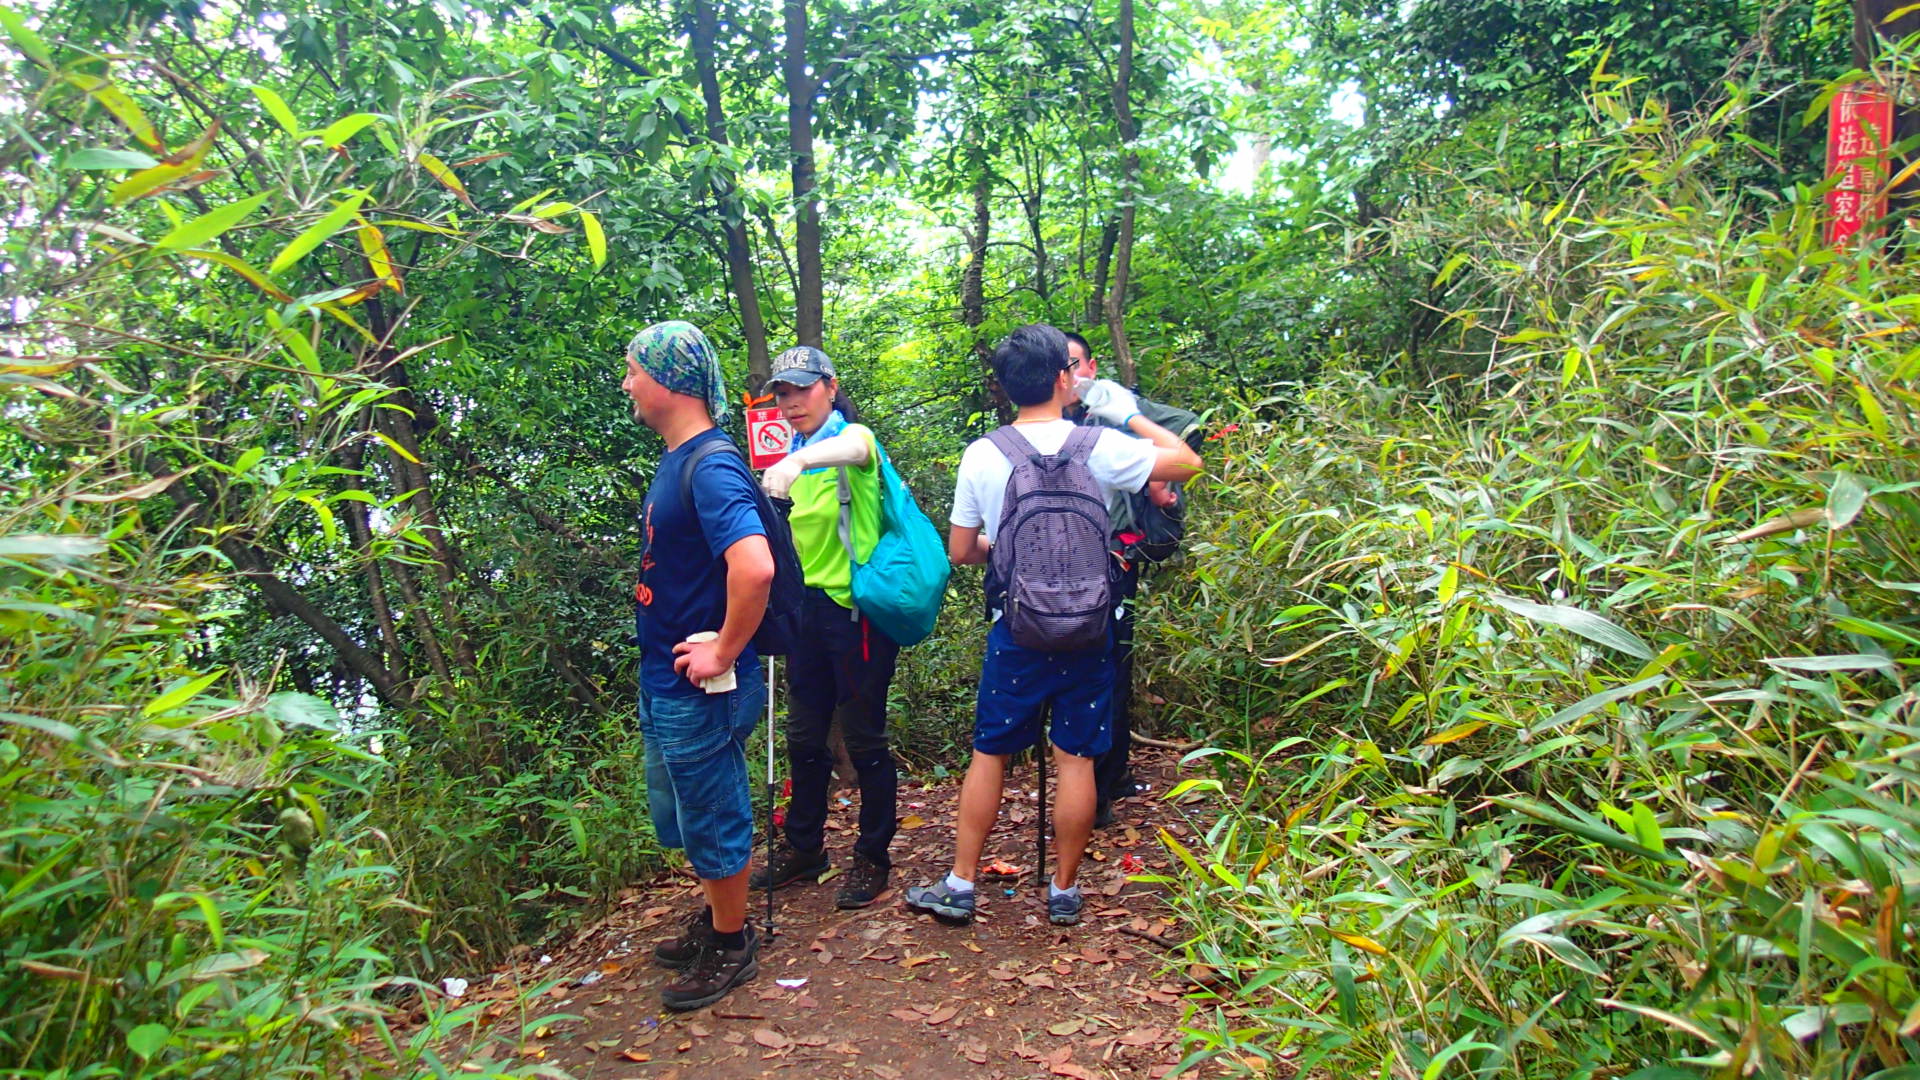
(884,992)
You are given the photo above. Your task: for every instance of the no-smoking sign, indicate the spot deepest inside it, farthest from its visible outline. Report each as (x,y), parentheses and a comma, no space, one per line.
(768,437)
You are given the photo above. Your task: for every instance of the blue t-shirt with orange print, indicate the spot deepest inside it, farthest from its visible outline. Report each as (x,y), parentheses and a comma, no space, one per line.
(683,569)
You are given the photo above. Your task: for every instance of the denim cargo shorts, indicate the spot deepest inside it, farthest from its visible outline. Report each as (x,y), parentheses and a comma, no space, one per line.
(696,761)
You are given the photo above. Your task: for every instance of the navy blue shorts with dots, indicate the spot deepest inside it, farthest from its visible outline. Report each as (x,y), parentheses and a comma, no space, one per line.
(1017,684)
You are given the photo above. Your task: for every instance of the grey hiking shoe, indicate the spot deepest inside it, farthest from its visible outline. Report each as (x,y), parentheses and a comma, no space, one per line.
(1064,909)
(680,952)
(941,902)
(713,974)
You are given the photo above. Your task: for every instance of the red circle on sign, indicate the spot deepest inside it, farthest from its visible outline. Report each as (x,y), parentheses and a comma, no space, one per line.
(773,437)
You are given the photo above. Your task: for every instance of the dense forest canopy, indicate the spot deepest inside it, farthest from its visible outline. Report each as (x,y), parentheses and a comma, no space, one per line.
(1548,615)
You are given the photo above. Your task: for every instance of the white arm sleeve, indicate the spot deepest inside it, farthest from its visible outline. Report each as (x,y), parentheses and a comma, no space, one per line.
(848,448)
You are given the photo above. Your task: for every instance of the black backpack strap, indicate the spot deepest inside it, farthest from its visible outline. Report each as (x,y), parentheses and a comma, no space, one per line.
(721,445)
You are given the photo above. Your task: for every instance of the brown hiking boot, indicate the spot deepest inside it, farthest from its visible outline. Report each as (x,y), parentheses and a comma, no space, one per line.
(679,952)
(864,882)
(790,865)
(713,974)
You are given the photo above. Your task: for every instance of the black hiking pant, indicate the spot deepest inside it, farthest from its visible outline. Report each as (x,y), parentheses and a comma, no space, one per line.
(840,666)
(1112,778)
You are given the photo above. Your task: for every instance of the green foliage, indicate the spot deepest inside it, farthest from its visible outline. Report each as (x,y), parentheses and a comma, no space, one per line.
(206,872)
(317,494)
(1600,653)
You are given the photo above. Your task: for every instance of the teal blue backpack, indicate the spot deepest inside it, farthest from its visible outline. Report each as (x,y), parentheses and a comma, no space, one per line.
(903,583)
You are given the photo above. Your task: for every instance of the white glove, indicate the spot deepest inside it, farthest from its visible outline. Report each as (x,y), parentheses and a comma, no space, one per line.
(1109,402)
(779,477)
(848,449)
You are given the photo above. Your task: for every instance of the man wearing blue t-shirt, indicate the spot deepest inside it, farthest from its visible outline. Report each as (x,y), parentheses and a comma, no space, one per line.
(706,571)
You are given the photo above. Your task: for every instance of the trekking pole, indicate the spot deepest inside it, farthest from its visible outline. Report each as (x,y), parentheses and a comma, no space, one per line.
(784,507)
(1040,830)
(772,791)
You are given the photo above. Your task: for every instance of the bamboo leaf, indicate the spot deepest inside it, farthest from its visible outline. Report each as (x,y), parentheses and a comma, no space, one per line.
(243,268)
(319,232)
(1593,702)
(1843,662)
(379,260)
(1586,830)
(1579,621)
(148,181)
(1678,1023)
(1454,733)
(1845,498)
(24,37)
(345,128)
(439,171)
(181,693)
(148,1040)
(276,107)
(210,225)
(1361,942)
(596,238)
(50,545)
(340,315)
(421,226)
(521,206)
(133,494)
(395,447)
(115,100)
(102,158)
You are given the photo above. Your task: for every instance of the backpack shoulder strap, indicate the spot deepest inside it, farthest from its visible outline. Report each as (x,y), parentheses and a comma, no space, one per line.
(846,523)
(721,445)
(1011,443)
(1079,444)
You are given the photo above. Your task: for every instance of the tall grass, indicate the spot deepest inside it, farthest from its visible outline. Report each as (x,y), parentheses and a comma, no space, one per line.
(1578,685)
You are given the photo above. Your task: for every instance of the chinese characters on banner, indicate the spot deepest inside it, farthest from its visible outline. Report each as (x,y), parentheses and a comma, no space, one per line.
(1859,127)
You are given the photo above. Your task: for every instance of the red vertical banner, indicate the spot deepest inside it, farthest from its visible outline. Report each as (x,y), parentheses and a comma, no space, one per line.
(768,437)
(1859,128)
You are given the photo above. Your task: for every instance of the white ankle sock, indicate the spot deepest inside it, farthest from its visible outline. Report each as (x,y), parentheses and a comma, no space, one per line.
(959,884)
(1055,890)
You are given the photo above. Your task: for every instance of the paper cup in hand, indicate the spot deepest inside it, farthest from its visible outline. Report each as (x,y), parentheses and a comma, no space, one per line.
(722,682)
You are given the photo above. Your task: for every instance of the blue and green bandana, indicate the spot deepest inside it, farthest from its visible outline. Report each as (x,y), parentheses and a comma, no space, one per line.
(680,358)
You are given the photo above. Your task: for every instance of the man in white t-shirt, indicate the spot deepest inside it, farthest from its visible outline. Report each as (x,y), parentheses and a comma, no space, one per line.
(1018,685)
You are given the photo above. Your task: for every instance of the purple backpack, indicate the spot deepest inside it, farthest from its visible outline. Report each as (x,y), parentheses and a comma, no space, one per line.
(1049,567)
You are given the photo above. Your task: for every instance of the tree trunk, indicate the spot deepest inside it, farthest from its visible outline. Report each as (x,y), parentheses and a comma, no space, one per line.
(733,224)
(410,474)
(809,309)
(779,246)
(253,566)
(1129,195)
(1032,202)
(282,598)
(1102,265)
(973,295)
(359,530)
(973,282)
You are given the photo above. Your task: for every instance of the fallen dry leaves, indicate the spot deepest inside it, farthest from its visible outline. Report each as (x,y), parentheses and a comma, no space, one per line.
(887,994)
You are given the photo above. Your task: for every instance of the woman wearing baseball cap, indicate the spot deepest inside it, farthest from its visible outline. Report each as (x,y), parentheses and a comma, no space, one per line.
(842,664)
